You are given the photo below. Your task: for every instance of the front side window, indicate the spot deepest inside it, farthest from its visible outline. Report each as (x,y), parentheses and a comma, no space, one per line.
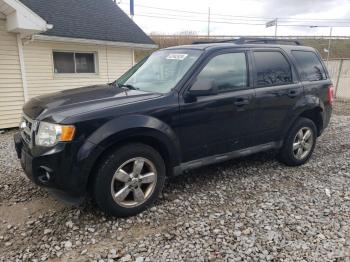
(272,69)
(161,71)
(229,71)
(73,62)
(310,66)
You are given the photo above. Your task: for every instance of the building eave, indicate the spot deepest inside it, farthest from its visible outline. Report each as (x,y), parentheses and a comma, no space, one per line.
(45,38)
(21,19)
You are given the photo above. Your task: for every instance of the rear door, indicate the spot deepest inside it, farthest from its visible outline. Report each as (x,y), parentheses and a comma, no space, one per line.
(277,91)
(218,123)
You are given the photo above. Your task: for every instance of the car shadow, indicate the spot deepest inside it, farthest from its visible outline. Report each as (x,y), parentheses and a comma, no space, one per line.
(178,185)
(212,172)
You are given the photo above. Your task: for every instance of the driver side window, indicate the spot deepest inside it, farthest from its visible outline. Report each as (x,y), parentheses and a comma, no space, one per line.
(229,71)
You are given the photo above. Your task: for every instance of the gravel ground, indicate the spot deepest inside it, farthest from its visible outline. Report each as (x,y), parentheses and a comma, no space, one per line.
(247,209)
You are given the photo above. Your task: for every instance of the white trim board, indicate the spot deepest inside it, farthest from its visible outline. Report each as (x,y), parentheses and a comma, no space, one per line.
(21,19)
(23,68)
(92,41)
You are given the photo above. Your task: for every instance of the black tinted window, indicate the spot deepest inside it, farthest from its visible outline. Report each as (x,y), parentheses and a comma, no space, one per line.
(85,63)
(310,66)
(63,62)
(272,68)
(229,71)
(71,62)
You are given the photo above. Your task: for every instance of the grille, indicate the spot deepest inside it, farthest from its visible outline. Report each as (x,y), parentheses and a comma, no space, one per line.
(28,125)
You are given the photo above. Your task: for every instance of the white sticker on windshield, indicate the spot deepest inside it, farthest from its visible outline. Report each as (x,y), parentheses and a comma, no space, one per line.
(176,56)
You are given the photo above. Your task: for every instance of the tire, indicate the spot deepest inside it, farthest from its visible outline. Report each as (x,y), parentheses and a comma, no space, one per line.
(111,187)
(293,157)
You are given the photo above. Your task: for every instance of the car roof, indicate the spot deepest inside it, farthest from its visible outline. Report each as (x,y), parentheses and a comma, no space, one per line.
(224,45)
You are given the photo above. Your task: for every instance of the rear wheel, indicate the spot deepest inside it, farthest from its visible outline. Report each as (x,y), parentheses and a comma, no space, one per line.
(129,180)
(299,143)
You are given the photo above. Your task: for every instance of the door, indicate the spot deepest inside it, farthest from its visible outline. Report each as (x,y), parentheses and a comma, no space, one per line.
(277,91)
(220,123)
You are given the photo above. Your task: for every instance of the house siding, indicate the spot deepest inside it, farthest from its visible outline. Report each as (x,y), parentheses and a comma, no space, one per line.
(41,79)
(11,90)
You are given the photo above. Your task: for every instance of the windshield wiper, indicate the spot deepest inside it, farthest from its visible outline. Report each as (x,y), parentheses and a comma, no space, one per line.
(131,87)
(114,84)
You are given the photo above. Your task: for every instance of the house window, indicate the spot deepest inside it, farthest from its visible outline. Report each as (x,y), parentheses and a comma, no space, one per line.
(74,62)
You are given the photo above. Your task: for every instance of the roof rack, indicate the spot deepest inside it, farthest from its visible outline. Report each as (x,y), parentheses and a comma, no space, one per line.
(257,40)
(253,40)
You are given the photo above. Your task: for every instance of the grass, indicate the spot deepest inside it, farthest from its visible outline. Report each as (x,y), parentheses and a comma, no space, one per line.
(340,48)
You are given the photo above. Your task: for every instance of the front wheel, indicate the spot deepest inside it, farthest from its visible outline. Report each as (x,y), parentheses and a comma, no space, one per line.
(299,143)
(129,180)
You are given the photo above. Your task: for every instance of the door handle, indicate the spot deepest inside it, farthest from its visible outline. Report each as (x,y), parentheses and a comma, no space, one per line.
(278,93)
(292,93)
(241,101)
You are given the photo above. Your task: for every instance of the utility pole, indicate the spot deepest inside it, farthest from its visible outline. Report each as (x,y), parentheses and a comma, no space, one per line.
(329,43)
(328,51)
(276,27)
(208,22)
(132,9)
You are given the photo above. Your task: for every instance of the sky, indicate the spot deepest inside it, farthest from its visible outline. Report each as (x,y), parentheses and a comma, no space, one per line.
(227,16)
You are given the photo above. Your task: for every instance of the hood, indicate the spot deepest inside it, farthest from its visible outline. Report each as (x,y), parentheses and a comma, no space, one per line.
(80,100)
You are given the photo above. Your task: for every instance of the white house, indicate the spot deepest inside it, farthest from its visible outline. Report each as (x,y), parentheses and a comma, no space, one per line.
(51,45)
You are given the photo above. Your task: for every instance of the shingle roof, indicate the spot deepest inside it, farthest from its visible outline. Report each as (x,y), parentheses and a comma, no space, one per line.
(89,19)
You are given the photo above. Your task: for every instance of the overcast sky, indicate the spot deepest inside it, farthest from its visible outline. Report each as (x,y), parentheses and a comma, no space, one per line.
(257,9)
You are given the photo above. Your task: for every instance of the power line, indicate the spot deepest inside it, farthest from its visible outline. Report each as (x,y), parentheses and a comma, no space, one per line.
(250,17)
(191,16)
(198,20)
(225,19)
(337,21)
(236,23)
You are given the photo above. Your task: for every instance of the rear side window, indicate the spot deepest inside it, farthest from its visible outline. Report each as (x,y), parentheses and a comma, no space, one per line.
(229,71)
(310,66)
(272,69)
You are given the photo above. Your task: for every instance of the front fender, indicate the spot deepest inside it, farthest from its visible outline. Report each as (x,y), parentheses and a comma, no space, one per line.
(126,127)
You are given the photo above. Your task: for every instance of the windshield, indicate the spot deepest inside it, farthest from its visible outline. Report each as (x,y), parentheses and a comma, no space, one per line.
(161,71)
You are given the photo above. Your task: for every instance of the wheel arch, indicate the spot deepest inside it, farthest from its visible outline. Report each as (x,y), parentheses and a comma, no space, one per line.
(136,129)
(314,113)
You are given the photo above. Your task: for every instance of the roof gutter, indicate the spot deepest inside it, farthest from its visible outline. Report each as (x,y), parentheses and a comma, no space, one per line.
(45,38)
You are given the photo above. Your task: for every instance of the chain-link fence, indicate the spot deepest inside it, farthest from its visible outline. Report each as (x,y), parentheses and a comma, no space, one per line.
(339,70)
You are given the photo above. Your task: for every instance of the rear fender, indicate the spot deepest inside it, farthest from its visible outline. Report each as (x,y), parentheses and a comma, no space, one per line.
(308,102)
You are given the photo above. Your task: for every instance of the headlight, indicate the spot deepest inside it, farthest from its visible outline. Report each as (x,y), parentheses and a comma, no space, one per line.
(22,124)
(50,134)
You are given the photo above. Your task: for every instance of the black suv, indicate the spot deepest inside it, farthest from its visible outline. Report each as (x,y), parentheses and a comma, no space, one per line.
(181,108)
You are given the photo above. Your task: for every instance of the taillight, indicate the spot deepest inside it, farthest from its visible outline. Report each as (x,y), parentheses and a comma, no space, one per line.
(330,94)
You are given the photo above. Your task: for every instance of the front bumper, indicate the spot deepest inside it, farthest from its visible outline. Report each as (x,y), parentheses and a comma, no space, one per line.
(56,168)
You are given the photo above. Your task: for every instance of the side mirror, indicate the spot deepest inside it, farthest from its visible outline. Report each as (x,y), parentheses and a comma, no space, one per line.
(203,87)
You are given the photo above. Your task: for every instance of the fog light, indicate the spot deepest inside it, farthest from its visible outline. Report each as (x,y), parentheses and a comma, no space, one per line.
(44,174)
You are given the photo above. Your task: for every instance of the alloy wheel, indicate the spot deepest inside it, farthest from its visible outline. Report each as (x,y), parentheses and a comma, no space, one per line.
(134,182)
(303,142)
